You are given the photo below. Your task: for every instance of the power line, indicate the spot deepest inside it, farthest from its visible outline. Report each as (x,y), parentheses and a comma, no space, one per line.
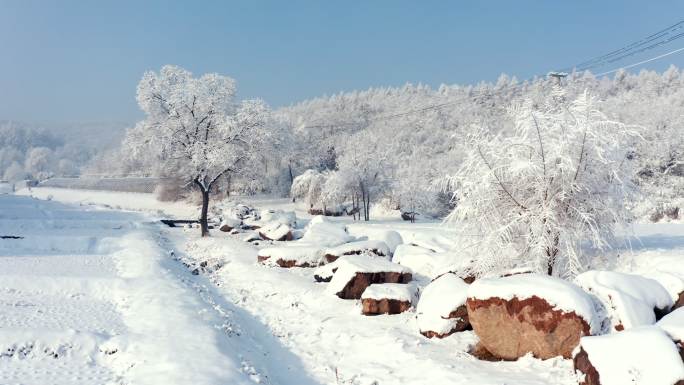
(641,62)
(628,48)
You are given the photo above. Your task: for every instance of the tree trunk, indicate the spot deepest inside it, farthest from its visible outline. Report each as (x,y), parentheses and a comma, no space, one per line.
(552,253)
(204,223)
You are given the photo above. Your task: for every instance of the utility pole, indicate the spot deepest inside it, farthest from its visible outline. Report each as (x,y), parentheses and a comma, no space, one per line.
(558,75)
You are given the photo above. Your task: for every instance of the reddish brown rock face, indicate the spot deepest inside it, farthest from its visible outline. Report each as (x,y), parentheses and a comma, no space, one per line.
(680,301)
(373,306)
(462,323)
(511,329)
(583,365)
(225,228)
(481,353)
(356,286)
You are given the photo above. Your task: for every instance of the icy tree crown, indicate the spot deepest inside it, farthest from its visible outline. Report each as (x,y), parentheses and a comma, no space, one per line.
(533,198)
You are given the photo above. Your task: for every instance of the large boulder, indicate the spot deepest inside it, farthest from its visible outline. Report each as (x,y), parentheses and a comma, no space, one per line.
(530,313)
(388,298)
(377,248)
(291,256)
(642,355)
(441,309)
(354,273)
(628,300)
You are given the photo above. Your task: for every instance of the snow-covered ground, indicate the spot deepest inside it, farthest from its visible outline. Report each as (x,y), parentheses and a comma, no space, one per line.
(91,281)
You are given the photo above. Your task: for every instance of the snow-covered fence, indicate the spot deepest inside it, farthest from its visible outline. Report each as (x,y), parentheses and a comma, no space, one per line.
(129,184)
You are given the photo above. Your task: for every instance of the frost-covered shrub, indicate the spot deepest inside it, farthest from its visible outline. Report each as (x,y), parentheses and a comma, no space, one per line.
(563,177)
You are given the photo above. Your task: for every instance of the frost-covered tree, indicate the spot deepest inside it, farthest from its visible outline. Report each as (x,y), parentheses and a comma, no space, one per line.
(196,130)
(39,162)
(365,166)
(534,197)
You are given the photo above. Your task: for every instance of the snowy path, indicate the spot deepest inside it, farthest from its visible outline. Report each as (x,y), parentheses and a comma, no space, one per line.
(92,297)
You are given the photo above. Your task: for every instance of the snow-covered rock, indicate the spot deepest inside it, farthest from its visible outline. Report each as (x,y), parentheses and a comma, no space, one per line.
(530,313)
(276,231)
(641,355)
(673,325)
(354,273)
(378,248)
(629,300)
(388,298)
(426,262)
(325,233)
(673,283)
(441,309)
(291,256)
(228,224)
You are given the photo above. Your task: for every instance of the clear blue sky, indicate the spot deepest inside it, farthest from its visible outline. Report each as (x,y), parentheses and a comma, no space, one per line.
(70,61)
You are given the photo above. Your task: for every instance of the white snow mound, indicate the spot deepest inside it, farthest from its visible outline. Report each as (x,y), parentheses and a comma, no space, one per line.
(673,324)
(324,233)
(628,299)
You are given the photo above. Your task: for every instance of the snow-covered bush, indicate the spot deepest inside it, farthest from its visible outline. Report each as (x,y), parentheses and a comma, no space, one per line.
(562,178)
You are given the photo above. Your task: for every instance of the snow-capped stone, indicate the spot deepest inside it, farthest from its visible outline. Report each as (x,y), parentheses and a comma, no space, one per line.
(629,300)
(673,283)
(291,256)
(378,248)
(441,309)
(325,233)
(530,313)
(356,272)
(423,261)
(641,355)
(673,325)
(228,224)
(388,298)
(276,231)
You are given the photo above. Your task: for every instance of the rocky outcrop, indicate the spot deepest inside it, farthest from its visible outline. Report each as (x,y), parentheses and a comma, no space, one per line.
(509,329)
